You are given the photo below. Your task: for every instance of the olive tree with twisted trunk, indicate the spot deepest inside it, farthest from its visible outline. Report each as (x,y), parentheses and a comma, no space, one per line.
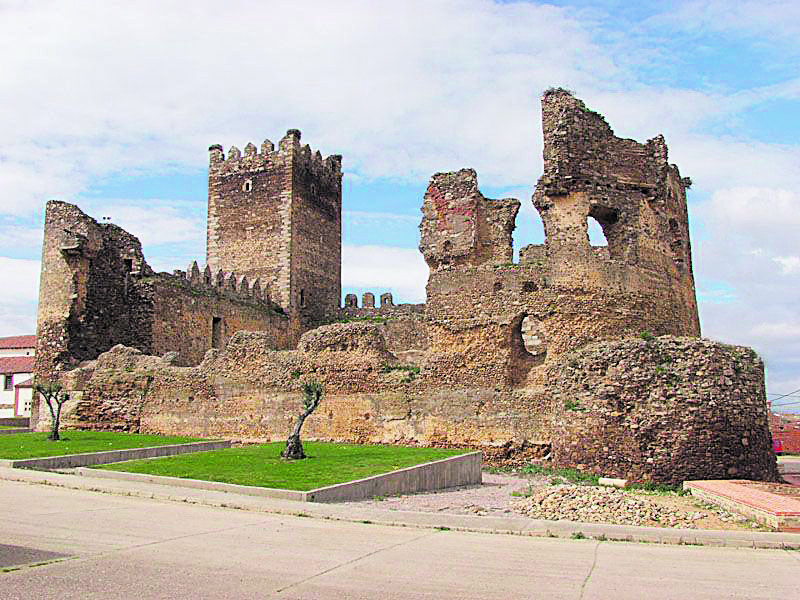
(313,392)
(55,397)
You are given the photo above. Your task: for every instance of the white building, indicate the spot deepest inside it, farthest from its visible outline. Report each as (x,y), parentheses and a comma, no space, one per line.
(16,375)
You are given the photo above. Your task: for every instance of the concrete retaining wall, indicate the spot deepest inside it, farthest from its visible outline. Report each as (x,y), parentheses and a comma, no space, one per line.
(449,472)
(16,430)
(112,456)
(441,474)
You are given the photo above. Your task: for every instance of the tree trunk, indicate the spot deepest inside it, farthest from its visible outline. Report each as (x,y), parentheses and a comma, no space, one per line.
(294,447)
(56,418)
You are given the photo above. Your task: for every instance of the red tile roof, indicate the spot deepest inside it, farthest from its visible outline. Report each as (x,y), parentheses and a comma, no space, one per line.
(18,341)
(16,364)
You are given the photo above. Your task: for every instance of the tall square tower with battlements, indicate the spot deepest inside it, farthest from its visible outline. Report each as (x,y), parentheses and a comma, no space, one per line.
(276,215)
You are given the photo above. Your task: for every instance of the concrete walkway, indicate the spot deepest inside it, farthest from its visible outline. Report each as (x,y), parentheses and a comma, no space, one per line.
(91,546)
(517,525)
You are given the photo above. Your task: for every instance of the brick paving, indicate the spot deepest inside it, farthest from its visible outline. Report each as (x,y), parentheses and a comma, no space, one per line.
(739,491)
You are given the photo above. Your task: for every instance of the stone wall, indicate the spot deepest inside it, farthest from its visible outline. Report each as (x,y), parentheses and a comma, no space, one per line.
(97,291)
(87,299)
(557,351)
(663,409)
(636,196)
(249,390)
(403,325)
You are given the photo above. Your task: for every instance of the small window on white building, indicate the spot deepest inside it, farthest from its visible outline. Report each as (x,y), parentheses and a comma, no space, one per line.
(9,383)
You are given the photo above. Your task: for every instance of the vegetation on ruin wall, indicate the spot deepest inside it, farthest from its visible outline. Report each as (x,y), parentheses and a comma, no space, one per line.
(36,445)
(261,466)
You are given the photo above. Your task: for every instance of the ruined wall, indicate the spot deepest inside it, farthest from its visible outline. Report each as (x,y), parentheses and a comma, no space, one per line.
(97,291)
(569,292)
(249,390)
(638,198)
(276,215)
(191,317)
(403,325)
(665,409)
(87,299)
(460,227)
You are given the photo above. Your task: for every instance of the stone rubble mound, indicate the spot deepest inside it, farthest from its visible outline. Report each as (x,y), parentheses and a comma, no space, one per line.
(590,504)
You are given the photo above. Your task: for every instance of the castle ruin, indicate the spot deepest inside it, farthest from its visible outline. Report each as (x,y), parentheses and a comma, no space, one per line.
(590,353)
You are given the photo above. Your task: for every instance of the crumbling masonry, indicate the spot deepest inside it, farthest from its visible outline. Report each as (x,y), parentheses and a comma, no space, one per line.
(588,353)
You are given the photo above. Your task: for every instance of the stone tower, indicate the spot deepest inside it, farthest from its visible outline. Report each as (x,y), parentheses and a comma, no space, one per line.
(277,215)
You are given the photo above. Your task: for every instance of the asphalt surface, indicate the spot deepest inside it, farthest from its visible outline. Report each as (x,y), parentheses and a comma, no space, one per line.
(134,547)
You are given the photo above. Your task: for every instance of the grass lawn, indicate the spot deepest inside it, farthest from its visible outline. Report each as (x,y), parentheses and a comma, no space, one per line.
(36,445)
(262,465)
(12,427)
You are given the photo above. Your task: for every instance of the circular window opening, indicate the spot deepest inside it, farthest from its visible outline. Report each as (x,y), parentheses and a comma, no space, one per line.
(533,336)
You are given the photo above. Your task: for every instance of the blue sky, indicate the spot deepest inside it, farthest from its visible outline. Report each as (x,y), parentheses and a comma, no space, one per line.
(113,105)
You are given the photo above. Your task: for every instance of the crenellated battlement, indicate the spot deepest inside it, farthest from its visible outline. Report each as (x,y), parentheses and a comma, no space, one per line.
(274,214)
(268,156)
(386,308)
(225,283)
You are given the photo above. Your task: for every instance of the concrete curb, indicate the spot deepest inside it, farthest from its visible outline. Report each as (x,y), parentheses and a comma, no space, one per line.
(454,471)
(16,430)
(67,461)
(513,525)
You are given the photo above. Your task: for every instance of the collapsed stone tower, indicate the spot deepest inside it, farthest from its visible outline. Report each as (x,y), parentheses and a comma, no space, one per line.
(636,196)
(276,215)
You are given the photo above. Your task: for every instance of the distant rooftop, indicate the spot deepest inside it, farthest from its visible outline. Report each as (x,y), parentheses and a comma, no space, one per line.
(17,341)
(16,364)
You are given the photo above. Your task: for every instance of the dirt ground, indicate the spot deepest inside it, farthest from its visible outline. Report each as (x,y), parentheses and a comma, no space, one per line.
(507,494)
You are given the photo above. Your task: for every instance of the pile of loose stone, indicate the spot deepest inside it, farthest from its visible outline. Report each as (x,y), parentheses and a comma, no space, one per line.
(591,504)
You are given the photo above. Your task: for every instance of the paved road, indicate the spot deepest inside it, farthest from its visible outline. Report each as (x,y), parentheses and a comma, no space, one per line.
(122,547)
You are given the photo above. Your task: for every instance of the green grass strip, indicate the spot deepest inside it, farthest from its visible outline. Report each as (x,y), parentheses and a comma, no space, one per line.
(262,465)
(36,445)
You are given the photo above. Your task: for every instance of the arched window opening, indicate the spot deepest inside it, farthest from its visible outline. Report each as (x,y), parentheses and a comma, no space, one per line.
(529,236)
(604,229)
(595,232)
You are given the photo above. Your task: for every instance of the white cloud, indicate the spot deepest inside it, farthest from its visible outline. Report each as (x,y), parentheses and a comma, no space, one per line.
(14,237)
(153,224)
(22,279)
(789,264)
(382,268)
(401,89)
(20,294)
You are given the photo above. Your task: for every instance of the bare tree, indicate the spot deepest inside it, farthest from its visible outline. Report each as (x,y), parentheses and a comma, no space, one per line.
(313,394)
(55,398)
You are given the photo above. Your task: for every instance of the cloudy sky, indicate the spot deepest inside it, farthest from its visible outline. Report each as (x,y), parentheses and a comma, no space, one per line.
(112,105)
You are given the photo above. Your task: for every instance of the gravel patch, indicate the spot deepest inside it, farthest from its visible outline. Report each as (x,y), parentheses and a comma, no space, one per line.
(537,498)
